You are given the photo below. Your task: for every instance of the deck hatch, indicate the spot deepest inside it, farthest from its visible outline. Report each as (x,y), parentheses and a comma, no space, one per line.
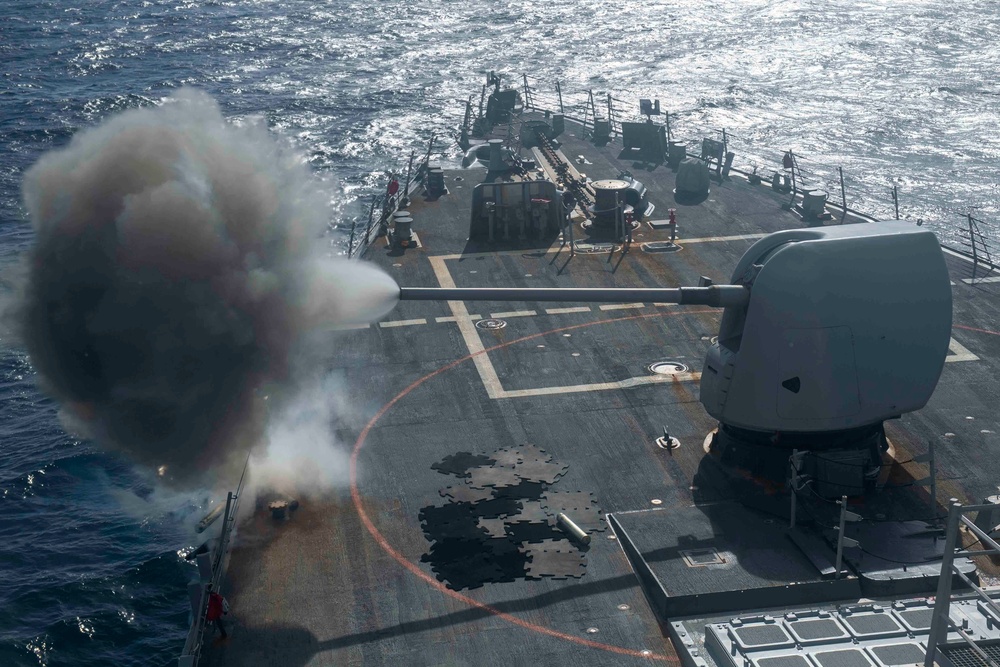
(491,324)
(873,624)
(702,557)
(899,654)
(783,661)
(761,635)
(917,619)
(668,368)
(819,629)
(851,657)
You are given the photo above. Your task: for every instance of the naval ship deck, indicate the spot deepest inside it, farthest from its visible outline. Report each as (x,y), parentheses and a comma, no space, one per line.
(353,579)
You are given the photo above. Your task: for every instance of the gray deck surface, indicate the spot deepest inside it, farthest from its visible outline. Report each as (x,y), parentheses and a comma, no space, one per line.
(320,589)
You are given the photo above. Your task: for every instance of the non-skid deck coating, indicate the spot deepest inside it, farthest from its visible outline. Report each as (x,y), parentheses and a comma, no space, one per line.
(342,581)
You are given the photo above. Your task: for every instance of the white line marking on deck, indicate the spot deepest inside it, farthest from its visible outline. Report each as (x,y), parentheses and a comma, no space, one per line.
(959,353)
(513,313)
(401,323)
(566,311)
(487,373)
(988,279)
(351,327)
(621,306)
(455,319)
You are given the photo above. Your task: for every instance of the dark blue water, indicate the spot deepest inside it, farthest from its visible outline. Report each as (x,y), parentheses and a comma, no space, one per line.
(901,95)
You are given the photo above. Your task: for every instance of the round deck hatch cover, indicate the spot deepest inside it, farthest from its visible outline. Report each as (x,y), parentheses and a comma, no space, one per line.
(491,324)
(668,368)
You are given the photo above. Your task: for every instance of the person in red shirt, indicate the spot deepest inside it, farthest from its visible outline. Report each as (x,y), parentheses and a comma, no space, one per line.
(216,609)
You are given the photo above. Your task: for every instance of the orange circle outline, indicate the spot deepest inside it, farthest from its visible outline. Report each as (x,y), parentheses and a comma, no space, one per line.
(414,569)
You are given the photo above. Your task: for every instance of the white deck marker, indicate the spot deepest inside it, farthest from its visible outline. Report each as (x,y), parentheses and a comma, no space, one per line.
(622,306)
(401,323)
(513,313)
(487,373)
(455,319)
(959,352)
(566,311)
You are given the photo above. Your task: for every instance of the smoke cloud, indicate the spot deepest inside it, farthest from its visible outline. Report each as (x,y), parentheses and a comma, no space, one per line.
(178,282)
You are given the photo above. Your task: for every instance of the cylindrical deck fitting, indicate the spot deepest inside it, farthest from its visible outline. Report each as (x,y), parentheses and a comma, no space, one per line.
(567,524)
(717,296)
(496,155)
(210,518)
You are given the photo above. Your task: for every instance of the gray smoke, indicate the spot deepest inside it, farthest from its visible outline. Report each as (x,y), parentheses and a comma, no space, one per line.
(178,281)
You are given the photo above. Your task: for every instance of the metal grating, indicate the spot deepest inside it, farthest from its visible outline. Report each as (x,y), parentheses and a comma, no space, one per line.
(784,661)
(899,654)
(817,629)
(846,658)
(873,624)
(963,656)
(918,619)
(761,635)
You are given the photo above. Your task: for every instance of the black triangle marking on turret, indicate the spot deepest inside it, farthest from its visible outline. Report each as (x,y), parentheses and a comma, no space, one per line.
(792,384)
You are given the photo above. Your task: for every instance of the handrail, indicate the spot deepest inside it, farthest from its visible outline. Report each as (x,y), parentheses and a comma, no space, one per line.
(191,653)
(941,621)
(872,204)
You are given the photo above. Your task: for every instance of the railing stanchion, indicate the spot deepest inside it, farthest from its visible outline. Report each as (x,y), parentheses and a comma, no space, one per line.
(843,196)
(942,601)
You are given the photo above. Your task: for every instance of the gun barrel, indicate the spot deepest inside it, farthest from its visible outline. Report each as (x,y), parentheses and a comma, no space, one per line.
(718,296)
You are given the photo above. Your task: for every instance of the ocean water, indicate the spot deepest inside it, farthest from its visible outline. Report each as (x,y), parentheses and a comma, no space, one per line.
(897,94)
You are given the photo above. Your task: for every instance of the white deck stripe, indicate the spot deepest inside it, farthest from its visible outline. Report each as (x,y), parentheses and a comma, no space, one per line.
(470,335)
(566,311)
(621,306)
(959,353)
(988,279)
(401,323)
(455,319)
(350,327)
(513,313)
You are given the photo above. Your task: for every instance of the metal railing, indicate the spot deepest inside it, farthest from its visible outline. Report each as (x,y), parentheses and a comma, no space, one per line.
(856,196)
(941,623)
(383,206)
(211,569)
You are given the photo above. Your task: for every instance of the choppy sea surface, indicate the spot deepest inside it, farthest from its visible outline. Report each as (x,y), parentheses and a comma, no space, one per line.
(898,94)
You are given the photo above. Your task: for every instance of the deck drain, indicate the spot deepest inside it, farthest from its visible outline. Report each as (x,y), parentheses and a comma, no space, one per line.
(668,368)
(491,324)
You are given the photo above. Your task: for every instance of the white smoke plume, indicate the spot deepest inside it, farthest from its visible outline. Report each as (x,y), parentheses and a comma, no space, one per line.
(179,276)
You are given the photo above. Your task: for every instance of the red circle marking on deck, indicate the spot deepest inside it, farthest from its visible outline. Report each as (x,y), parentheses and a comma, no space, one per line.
(985,331)
(402,560)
